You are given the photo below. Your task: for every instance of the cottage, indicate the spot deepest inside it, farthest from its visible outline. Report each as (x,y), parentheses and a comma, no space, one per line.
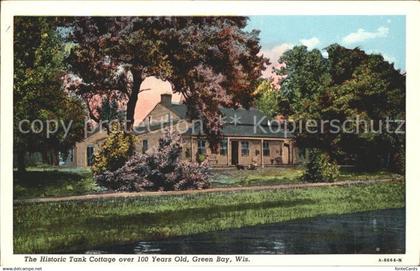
(249,137)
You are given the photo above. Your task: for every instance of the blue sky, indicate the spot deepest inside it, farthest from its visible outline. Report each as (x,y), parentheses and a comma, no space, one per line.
(374,34)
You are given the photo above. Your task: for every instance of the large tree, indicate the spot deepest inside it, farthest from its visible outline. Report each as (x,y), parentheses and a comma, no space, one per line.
(211,61)
(349,84)
(38,91)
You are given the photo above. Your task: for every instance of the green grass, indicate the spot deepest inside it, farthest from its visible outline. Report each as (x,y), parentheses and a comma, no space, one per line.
(50,182)
(81,225)
(274,176)
(265,176)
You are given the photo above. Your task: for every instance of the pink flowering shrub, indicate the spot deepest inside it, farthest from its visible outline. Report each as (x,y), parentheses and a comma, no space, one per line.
(158,170)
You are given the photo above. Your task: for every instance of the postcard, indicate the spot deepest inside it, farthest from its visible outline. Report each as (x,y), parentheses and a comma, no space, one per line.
(209,133)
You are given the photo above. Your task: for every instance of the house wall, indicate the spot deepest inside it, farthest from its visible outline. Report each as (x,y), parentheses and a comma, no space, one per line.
(160,114)
(215,159)
(280,150)
(275,152)
(152,138)
(80,150)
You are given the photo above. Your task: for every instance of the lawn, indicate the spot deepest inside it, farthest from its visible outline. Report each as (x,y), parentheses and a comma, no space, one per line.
(50,182)
(276,175)
(71,226)
(53,182)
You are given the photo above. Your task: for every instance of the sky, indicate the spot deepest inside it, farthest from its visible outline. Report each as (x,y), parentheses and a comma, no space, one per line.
(373,34)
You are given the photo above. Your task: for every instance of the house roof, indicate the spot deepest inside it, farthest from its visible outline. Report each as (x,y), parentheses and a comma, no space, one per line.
(179,109)
(237,122)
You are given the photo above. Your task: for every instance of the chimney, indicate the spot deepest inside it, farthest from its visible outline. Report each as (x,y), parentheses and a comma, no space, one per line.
(166,99)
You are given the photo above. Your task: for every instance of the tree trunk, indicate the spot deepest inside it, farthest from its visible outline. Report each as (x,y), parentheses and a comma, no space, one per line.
(44,157)
(21,161)
(132,101)
(54,158)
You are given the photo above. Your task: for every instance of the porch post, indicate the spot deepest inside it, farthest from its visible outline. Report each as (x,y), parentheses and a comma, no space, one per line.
(261,153)
(192,150)
(292,155)
(228,151)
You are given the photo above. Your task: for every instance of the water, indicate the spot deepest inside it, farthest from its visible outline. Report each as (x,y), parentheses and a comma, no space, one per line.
(381,232)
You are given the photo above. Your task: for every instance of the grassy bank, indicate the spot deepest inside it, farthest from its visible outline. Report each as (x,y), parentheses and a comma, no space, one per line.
(68,226)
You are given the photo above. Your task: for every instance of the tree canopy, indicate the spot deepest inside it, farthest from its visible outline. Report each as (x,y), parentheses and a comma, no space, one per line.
(349,84)
(38,90)
(267,98)
(211,61)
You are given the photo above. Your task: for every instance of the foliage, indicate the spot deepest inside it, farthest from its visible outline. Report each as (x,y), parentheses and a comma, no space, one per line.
(201,157)
(320,168)
(305,79)
(398,161)
(349,85)
(110,110)
(118,147)
(38,94)
(211,61)
(268,98)
(159,169)
(77,226)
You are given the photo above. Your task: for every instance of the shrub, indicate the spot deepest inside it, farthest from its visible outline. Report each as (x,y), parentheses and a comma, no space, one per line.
(201,158)
(398,161)
(159,169)
(115,151)
(320,168)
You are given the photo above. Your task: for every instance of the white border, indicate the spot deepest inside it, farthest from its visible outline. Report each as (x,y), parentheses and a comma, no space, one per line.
(408,8)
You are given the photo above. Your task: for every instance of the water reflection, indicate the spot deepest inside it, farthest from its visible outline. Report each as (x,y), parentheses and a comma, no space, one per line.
(380,232)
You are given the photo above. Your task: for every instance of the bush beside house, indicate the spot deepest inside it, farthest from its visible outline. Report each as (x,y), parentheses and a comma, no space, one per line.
(160,169)
(115,151)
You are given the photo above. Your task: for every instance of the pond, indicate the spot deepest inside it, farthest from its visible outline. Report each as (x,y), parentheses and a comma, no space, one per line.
(374,232)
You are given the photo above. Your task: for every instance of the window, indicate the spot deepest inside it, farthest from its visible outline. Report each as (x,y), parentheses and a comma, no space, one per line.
(201,146)
(188,153)
(145,146)
(223,147)
(244,148)
(89,154)
(266,148)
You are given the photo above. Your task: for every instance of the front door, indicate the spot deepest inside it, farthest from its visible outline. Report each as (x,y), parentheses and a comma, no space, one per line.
(286,154)
(234,152)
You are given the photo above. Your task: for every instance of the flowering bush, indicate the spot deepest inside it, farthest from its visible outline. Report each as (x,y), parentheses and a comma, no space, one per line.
(160,169)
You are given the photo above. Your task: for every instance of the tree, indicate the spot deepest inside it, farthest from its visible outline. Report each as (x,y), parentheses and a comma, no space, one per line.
(211,61)
(349,84)
(267,98)
(38,91)
(115,151)
(305,78)
(367,86)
